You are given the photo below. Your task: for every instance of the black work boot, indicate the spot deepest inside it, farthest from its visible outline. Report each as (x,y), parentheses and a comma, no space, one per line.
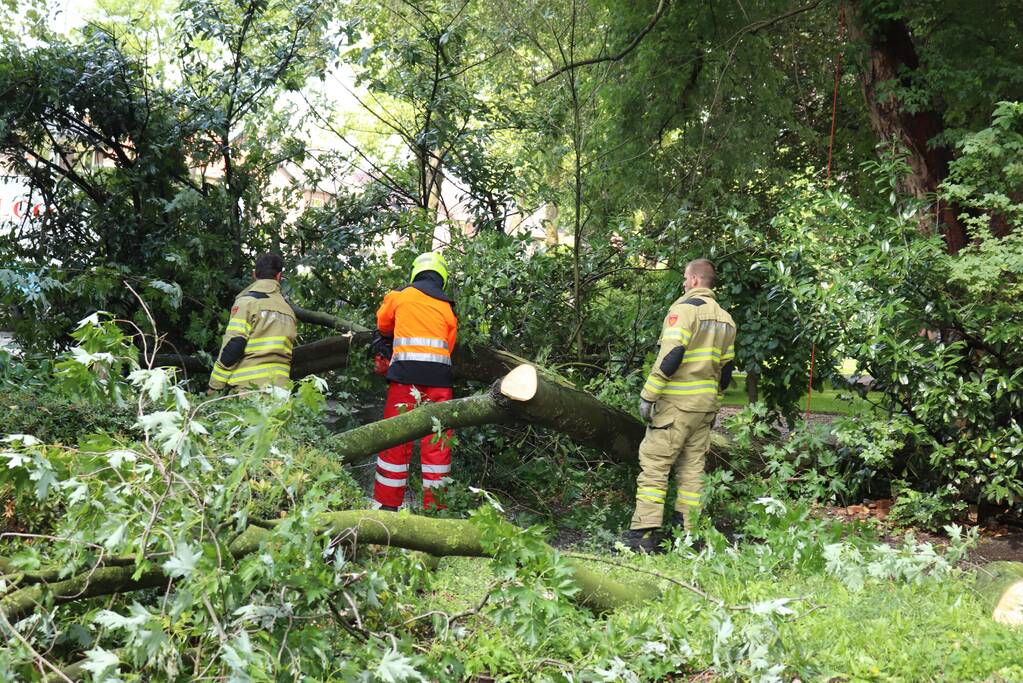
(389,508)
(677,521)
(642,540)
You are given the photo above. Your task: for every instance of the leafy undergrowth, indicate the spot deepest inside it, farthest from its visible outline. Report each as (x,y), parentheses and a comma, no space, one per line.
(199,543)
(836,624)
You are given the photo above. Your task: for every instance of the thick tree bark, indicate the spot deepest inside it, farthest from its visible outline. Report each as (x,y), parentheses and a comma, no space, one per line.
(893,59)
(1000,585)
(576,414)
(438,537)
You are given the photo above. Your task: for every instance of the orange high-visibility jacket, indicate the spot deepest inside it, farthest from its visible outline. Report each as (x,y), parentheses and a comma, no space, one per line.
(422,322)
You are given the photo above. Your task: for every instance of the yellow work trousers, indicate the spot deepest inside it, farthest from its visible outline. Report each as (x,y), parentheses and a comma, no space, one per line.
(679,439)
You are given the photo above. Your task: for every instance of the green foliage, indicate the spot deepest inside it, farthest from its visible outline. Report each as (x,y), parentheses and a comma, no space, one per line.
(766,608)
(929,510)
(502,287)
(132,196)
(705,140)
(940,347)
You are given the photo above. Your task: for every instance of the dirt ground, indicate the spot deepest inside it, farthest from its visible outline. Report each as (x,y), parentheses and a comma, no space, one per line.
(1001,539)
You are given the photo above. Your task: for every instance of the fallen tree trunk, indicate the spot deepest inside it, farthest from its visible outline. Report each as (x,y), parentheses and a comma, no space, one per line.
(454,537)
(1000,585)
(438,537)
(470,362)
(479,363)
(523,395)
(559,405)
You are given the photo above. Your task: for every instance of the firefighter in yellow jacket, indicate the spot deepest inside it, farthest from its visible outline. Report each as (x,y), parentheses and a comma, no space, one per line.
(679,403)
(256,349)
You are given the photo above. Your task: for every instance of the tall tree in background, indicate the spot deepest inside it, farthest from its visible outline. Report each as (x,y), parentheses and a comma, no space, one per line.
(437,77)
(234,59)
(933,71)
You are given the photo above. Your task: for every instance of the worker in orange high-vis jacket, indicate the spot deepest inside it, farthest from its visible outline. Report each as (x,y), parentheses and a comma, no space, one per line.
(416,329)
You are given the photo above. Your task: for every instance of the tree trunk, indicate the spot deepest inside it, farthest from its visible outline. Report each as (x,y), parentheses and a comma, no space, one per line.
(550,224)
(1000,585)
(438,537)
(893,58)
(434,184)
(558,405)
(582,418)
(752,387)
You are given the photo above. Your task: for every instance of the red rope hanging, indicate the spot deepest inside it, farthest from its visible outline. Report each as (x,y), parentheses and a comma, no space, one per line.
(831,147)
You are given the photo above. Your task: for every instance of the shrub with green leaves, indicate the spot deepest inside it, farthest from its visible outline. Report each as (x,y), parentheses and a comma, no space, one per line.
(938,333)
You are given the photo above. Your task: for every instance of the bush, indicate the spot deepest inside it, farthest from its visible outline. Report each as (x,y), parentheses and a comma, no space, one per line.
(939,333)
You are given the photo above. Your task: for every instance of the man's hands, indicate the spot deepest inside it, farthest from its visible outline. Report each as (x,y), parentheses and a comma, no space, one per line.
(646,410)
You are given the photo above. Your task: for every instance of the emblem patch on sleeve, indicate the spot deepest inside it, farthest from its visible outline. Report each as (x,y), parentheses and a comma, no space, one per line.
(672,319)
(234,309)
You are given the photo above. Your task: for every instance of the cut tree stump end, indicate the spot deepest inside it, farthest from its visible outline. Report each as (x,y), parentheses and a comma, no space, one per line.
(1001,585)
(1009,609)
(520,384)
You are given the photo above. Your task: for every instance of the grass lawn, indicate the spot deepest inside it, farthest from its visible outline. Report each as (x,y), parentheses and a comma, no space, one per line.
(826,401)
(888,630)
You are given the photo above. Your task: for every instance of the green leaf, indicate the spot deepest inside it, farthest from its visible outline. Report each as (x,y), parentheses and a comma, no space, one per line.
(395,667)
(104,665)
(183,562)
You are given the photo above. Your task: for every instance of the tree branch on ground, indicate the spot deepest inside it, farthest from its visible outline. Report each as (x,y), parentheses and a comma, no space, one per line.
(438,537)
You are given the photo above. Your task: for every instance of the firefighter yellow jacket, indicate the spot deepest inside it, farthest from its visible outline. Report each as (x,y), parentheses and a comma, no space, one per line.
(697,341)
(256,349)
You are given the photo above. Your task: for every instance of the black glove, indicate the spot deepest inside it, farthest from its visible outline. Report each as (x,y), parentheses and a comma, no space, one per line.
(646,410)
(382,345)
(726,375)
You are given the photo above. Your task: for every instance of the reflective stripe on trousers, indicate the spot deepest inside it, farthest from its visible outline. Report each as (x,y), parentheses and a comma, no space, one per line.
(393,463)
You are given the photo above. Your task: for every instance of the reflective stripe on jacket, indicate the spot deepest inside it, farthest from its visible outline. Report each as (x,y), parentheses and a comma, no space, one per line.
(263,320)
(422,322)
(703,334)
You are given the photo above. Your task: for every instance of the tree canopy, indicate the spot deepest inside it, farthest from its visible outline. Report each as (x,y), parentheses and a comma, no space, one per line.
(851,167)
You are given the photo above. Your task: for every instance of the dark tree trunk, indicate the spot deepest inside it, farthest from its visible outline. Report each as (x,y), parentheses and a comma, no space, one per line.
(893,59)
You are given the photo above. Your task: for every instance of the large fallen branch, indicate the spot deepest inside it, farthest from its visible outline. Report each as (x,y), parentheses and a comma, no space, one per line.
(557,405)
(438,537)
(523,395)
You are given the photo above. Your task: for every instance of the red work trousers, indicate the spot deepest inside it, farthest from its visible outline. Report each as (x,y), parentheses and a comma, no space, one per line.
(392,464)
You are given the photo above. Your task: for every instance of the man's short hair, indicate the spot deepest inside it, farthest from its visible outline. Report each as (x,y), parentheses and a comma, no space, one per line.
(268,266)
(703,270)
